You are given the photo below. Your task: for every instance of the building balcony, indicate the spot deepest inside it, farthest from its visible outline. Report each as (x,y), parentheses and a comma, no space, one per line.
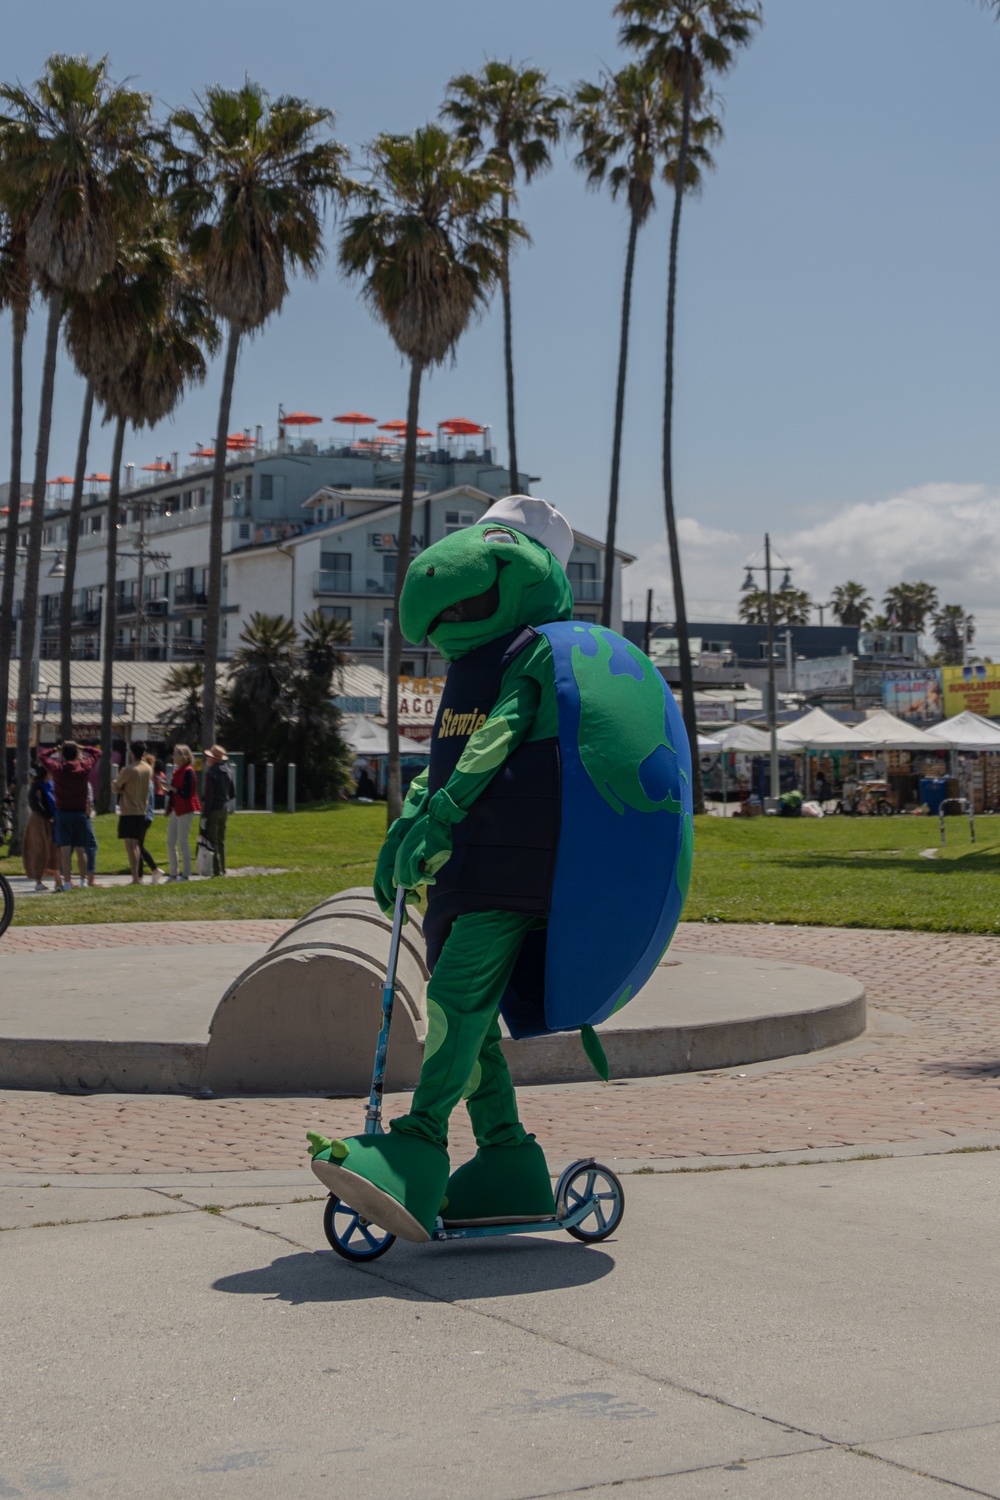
(185,598)
(327,582)
(85,617)
(588,590)
(155,608)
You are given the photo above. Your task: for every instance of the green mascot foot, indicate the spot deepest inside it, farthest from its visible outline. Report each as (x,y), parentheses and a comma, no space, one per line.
(501,1184)
(395,1180)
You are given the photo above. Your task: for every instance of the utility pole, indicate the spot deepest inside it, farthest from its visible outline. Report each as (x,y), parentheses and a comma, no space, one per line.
(647,632)
(772,704)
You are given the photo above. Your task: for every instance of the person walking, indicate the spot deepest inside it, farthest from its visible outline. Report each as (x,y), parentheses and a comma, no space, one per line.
(156,874)
(182,804)
(40,855)
(132,788)
(217,793)
(70,770)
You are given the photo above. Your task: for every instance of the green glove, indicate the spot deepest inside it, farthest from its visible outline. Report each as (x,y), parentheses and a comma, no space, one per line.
(384,884)
(425,848)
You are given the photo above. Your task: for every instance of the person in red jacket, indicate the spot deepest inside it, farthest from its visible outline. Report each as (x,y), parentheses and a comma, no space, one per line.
(70,769)
(183,803)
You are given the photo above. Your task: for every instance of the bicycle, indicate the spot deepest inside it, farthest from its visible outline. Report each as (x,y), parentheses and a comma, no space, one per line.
(6,904)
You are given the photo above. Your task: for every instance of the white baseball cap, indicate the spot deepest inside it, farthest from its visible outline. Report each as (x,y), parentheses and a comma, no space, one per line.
(535,518)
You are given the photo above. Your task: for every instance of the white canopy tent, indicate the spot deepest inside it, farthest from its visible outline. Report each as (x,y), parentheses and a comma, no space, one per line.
(887,732)
(966,731)
(365,737)
(743,737)
(708,743)
(818,730)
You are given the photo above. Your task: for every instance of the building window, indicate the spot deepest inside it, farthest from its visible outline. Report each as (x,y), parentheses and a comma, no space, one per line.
(457,520)
(335,576)
(388,572)
(96,522)
(338,612)
(267,486)
(199,498)
(583,580)
(244,531)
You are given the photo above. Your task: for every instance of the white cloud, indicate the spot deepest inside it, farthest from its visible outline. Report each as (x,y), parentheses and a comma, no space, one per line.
(948,534)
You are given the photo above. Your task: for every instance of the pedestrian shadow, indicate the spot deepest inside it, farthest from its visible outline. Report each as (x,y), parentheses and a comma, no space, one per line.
(413,1273)
(985,861)
(987,1067)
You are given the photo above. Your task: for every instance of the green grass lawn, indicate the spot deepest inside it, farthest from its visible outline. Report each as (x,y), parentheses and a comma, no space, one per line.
(840,872)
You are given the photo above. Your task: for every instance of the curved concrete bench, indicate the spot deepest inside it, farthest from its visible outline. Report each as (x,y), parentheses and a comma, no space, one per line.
(305,1017)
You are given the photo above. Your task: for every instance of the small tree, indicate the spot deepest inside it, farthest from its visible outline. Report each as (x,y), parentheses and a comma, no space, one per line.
(954,631)
(249,177)
(181,719)
(315,744)
(429,249)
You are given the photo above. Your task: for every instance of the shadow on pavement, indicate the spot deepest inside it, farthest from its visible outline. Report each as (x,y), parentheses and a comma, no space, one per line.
(414,1272)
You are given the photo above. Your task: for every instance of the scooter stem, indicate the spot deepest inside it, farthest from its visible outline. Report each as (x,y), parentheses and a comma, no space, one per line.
(373,1114)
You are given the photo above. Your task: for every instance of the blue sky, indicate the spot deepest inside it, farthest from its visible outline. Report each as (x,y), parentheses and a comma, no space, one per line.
(837,374)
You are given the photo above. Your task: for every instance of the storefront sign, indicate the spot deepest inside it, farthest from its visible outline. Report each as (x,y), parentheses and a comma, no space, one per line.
(419,701)
(913,693)
(976,688)
(823,673)
(388,541)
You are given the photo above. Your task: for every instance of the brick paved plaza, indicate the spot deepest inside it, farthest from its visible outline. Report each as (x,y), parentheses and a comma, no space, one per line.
(926,1070)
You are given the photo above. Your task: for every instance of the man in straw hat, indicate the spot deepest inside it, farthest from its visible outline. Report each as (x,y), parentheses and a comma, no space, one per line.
(216,796)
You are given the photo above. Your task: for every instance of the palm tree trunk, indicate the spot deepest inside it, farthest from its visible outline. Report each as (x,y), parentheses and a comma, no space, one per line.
(109,621)
(69,562)
(616,447)
(680,610)
(404,538)
(13,517)
(508,361)
(29,598)
(213,610)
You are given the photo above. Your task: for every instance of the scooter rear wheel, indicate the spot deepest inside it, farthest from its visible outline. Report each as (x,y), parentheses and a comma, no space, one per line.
(352,1235)
(585,1180)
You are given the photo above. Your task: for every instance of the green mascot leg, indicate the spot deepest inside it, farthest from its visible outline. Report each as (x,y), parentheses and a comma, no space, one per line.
(400,1179)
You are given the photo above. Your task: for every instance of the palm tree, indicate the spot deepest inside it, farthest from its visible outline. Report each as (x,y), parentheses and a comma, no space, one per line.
(76,171)
(323,641)
(429,248)
(249,177)
(792,607)
(851,604)
(182,718)
(954,632)
(15,293)
(687,41)
(907,605)
(260,689)
(153,293)
(511,113)
(629,131)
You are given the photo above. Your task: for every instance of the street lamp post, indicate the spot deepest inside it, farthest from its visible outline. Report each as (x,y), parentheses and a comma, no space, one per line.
(772,701)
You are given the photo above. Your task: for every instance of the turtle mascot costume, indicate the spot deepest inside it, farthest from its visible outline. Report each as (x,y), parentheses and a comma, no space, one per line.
(553,832)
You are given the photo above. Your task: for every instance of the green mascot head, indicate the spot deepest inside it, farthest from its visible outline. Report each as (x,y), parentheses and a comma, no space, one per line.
(481,582)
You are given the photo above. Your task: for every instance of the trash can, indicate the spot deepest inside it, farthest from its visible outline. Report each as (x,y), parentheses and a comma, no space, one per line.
(932,792)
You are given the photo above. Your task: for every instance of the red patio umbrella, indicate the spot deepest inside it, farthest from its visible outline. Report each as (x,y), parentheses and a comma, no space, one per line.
(62,479)
(461,427)
(203,453)
(299,419)
(400,426)
(100,478)
(157,468)
(237,440)
(354,420)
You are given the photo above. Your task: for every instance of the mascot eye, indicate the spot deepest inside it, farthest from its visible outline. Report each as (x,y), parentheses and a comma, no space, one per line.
(495,534)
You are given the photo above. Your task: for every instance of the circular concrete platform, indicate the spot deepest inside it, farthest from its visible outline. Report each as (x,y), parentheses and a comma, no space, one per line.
(302,1015)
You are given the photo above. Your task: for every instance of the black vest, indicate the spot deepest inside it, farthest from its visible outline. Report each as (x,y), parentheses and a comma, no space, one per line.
(503,851)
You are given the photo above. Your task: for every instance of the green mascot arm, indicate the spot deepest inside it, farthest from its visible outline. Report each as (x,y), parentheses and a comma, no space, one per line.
(413,807)
(426,845)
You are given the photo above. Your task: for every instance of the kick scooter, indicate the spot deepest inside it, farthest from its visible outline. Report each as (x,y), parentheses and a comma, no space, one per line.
(590,1200)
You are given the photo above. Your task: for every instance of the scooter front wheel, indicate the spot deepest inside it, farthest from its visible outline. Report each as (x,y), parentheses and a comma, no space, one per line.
(589,1182)
(352,1235)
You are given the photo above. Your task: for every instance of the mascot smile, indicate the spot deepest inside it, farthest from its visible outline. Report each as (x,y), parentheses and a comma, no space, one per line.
(553,832)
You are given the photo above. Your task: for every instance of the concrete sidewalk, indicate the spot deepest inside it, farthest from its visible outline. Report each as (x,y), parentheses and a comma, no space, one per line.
(786,1334)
